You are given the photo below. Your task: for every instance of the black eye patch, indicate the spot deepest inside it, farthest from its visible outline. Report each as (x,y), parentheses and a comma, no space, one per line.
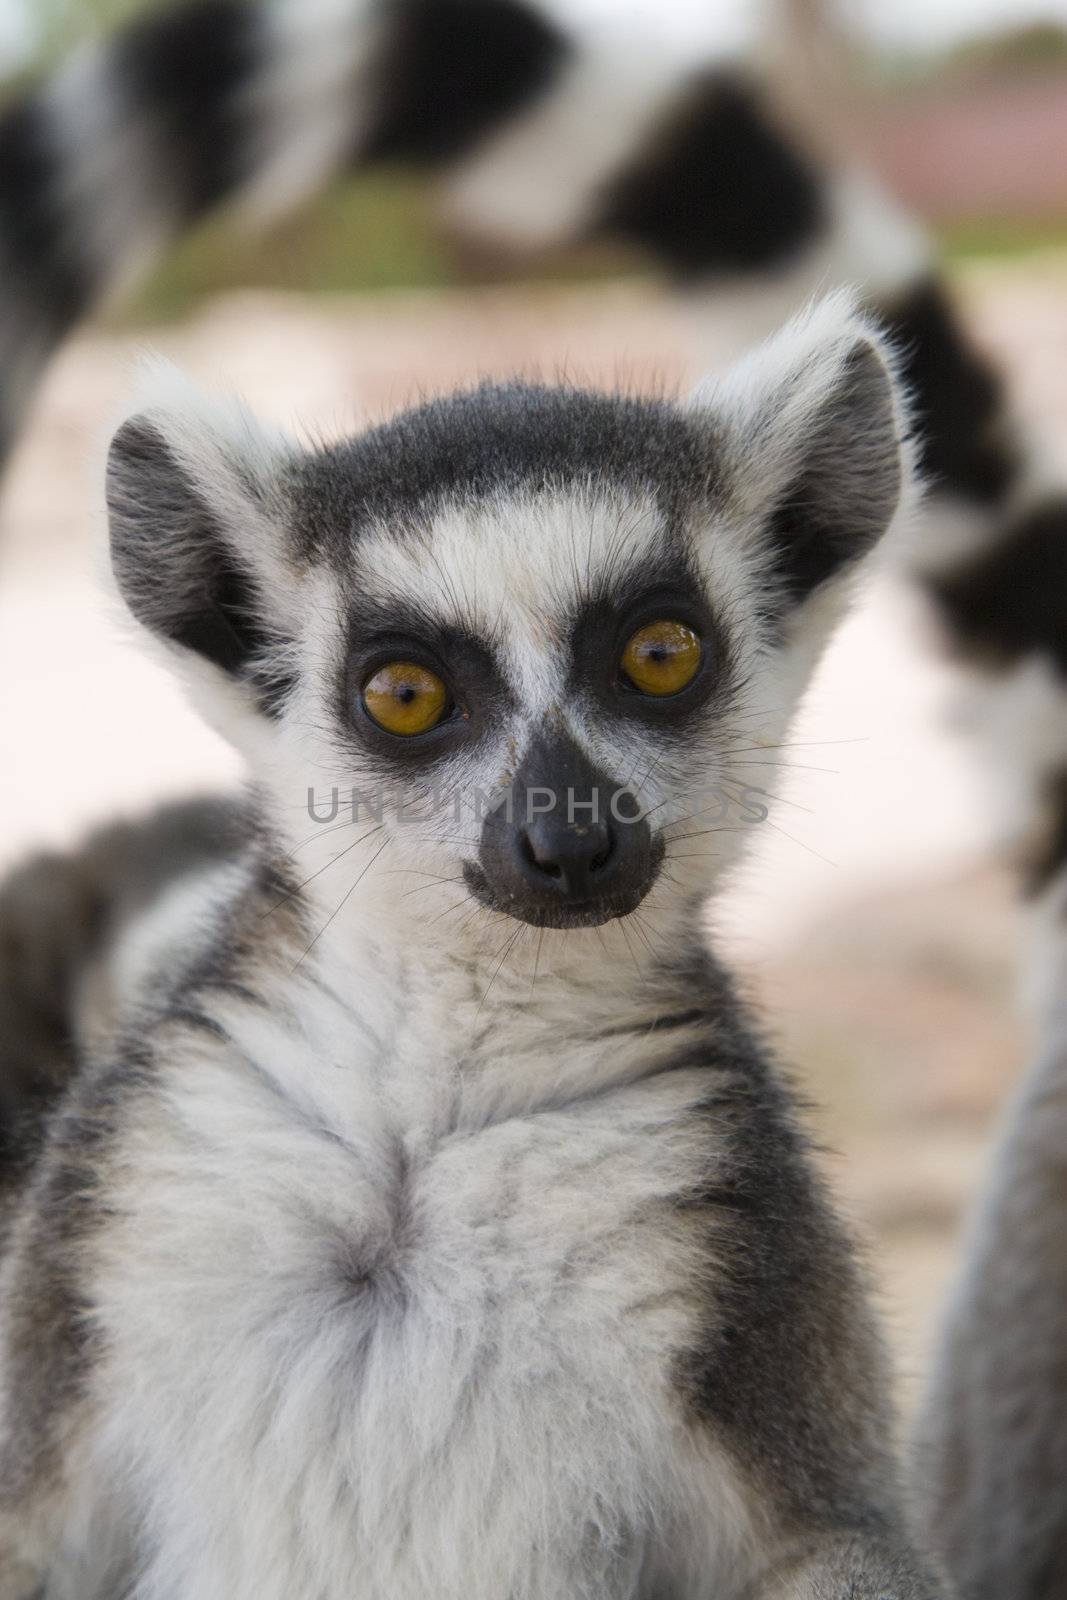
(603,629)
(380,634)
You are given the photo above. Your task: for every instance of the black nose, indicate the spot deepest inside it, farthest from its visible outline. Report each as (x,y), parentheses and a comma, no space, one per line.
(566,856)
(564,847)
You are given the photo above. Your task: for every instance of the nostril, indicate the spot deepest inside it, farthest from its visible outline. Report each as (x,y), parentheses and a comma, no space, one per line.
(604,854)
(569,858)
(540,862)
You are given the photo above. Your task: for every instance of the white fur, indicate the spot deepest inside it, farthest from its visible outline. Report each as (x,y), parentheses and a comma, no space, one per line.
(768,400)
(308,99)
(534,183)
(109,179)
(140,965)
(873,245)
(1015,719)
(870,245)
(500,1328)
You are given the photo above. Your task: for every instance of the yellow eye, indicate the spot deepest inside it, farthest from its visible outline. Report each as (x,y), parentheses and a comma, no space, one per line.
(404,698)
(662,658)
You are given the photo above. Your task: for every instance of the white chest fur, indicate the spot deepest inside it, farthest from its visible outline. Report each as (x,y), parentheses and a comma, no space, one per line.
(411,1362)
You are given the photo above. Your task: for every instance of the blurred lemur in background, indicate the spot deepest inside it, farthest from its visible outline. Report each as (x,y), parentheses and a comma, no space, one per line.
(540,135)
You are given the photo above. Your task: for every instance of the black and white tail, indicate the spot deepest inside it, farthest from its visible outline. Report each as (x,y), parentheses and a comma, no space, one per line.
(538,133)
(226,102)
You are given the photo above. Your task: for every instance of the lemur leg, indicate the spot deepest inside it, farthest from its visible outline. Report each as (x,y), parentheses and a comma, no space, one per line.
(992,1436)
(993,1444)
(66,974)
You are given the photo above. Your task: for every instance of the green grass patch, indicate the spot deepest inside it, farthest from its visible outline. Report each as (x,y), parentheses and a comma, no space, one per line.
(379,232)
(374,233)
(966,241)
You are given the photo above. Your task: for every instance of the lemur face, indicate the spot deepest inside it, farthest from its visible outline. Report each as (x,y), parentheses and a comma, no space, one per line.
(523,665)
(542,637)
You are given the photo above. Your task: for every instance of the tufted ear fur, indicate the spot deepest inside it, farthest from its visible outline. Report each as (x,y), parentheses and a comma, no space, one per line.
(814,446)
(199,546)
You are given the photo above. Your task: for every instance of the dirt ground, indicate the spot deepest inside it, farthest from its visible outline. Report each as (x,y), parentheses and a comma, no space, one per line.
(872,922)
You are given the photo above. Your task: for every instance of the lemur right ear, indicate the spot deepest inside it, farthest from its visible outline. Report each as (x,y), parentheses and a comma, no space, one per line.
(198,542)
(813,439)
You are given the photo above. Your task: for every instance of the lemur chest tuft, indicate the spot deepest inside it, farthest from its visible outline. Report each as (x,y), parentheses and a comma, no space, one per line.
(459,1339)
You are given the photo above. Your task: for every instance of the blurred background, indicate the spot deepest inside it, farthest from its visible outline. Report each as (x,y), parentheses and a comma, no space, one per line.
(872,918)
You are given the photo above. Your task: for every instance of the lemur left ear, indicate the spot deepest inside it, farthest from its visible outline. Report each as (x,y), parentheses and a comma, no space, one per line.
(813,444)
(199,547)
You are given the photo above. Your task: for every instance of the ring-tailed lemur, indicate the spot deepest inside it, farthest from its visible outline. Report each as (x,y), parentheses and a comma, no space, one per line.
(440,1224)
(538,136)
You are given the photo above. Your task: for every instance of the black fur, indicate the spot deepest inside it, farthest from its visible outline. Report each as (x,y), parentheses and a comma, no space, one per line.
(1049,858)
(397,631)
(1011,600)
(175,570)
(846,495)
(222,631)
(606,827)
(959,403)
(41,240)
(497,438)
(719,190)
(453,71)
(51,914)
(58,913)
(63,1150)
(630,596)
(187,72)
(49,1340)
(789,1351)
